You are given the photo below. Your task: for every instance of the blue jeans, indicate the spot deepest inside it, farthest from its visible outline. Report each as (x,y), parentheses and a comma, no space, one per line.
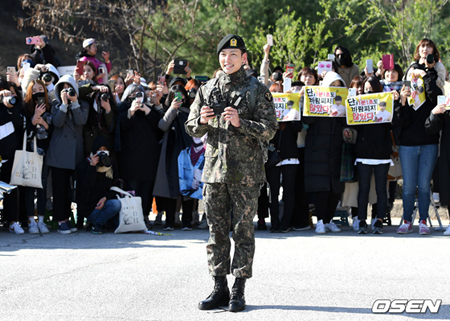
(107,212)
(417,167)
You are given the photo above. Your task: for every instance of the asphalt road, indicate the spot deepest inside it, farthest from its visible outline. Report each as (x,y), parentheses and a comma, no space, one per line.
(297,276)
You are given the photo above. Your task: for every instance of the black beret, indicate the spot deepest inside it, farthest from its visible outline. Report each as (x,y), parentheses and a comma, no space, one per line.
(231,41)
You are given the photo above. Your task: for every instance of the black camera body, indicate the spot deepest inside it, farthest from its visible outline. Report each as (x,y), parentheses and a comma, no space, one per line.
(70,91)
(430,58)
(218,107)
(104,159)
(46,77)
(105,96)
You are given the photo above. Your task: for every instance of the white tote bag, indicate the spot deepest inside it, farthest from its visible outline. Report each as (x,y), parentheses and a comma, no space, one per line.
(27,166)
(131,217)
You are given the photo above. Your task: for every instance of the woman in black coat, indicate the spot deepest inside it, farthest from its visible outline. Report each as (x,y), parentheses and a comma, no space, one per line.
(372,150)
(439,120)
(139,137)
(11,134)
(285,141)
(323,152)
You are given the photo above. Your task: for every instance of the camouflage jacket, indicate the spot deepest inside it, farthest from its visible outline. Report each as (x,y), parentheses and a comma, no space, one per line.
(234,155)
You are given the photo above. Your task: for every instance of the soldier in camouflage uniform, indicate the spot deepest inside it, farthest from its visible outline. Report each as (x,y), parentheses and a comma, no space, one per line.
(238,114)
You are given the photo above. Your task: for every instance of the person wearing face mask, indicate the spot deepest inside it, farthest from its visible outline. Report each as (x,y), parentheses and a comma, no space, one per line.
(372,150)
(96,175)
(11,131)
(137,144)
(47,73)
(175,140)
(65,151)
(344,65)
(38,124)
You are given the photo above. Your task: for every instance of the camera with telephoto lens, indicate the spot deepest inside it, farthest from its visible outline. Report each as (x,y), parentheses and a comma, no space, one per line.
(70,91)
(10,100)
(46,77)
(104,159)
(218,107)
(105,96)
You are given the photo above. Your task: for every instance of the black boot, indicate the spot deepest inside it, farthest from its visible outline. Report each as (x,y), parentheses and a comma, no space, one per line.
(219,297)
(237,301)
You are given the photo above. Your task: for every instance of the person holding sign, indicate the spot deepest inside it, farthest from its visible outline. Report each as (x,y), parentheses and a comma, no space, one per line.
(426,57)
(372,150)
(323,153)
(418,149)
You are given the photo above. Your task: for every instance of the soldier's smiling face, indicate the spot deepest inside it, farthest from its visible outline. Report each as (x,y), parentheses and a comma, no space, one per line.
(231,60)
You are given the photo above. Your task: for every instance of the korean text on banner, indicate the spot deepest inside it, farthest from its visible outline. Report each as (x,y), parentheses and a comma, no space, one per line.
(325,101)
(370,109)
(287,106)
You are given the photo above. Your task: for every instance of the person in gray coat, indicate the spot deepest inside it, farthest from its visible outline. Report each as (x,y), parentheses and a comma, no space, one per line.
(65,151)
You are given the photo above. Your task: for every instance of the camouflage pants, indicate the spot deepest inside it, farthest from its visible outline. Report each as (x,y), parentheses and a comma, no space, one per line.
(219,200)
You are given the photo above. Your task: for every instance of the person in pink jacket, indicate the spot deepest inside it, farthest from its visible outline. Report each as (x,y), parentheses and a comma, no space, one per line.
(88,54)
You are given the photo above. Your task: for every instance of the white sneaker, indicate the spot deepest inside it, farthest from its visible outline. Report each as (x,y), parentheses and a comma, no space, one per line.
(447,231)
(372,223)
(320,227)
(33,229)
(423,228)
(356,224)
(15,228)
(331,227)
(43,228)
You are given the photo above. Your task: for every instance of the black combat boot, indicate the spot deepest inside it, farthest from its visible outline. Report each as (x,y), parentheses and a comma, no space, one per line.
(237,301)
(219,297)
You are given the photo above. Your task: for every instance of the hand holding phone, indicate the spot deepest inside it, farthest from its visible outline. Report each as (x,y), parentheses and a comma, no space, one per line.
(388,62)
(290,69)
(369,66)
(33,40)
(270,40)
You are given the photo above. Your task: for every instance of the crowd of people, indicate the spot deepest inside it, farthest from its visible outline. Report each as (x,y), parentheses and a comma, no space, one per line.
(96,130)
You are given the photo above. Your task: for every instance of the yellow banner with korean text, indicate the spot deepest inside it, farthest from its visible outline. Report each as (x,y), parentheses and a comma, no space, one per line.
(324,101)
(287,106)
(370,109)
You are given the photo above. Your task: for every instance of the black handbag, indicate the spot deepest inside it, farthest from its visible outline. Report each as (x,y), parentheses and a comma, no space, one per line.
(274,156)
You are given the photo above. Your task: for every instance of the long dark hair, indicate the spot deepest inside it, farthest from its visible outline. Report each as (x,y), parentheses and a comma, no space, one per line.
(178,89)
(346,53)
(375,83)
